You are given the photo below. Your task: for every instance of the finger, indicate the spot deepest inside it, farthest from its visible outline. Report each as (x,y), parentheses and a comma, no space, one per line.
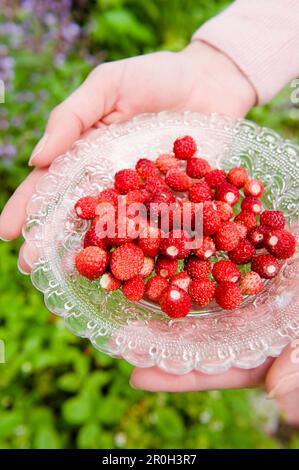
(283,377)
(23,266)
(14,213)
(154,379)
(94,99)
(289,407)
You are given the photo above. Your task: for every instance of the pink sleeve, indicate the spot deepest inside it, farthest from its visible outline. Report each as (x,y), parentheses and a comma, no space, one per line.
(262,38)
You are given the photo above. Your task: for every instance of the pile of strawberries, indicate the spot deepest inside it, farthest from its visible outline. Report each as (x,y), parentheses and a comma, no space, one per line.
(148,265)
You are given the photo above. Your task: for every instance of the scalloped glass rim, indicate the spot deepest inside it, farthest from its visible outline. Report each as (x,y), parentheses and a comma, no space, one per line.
(212,342)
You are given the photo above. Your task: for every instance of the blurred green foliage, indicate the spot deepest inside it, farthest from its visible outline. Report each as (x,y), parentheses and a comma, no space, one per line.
(55,390)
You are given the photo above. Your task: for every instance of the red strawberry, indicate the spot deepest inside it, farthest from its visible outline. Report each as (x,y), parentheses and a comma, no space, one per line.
(273,219)
(155,184)
(251,283)
(280,243)
(148,266)
(243,253)
(175,302)
(206,248)
(178,180)
(85,207)
(184,147)
(200,192)
(154,287)
(92,262)
(252,204)
(228,295)
(197,167)
(224,270)
(224,209)
(109,282)
(124,232)
(211,219)
(166,162)
(127,180)
(134,288)
(227,238)
(266,266)
(126,261)
(215,178)
(257,235)
(254,188)
(181,280)
(91,239)
(242,231)
(138,196)
(246,218)
(146,168)
(149,240)
(175,245)
(196,268)
(237,176)
(226,192)
(166,267)
(109,195)
(202,291)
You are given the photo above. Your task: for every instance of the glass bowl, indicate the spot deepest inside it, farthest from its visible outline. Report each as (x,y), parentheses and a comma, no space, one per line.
(212,341)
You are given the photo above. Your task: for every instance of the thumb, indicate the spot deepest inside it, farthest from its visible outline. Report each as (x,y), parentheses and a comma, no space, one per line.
(283,376)
(94,99)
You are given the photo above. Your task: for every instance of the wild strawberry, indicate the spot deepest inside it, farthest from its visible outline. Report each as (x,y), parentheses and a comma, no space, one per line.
(85,207)
(237,176)
(252,204)
(280,243)
(197,167)
(224,209)
(127,180)
(200,192)
(215,178)
(92,262)
(227,192)
(196,268)
(109,195)
(166,162)
(202,291)
(178,180)
(91,239)
(154,287)
(175,302)
(155,184)
(138,196)
(257,235)
(243,253)
(246,218)
(227,238)
(148,266)
(146,168)
(254,188)
(126,261)
(225,270)
(134,288)
(228,295)
(181,280)
(273,219)
(251,283)
(175,245)
(184,147)
(149,240)
(206,248)
(266,266)
(109,282)
(242,231)
(166,267)
(124,232)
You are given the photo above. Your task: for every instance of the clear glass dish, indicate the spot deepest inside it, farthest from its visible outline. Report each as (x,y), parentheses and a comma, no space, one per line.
(212,341)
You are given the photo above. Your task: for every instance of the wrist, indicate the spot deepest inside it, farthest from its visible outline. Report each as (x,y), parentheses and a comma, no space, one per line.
(228,80)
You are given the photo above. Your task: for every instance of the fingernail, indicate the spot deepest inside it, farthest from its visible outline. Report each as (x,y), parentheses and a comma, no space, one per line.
(4,239)
(38,148)
(285,385)
(133,386)
(21,270)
